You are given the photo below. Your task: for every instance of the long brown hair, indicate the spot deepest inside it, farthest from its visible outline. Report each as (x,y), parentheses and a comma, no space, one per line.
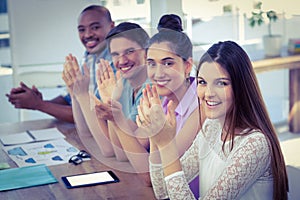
(248,110)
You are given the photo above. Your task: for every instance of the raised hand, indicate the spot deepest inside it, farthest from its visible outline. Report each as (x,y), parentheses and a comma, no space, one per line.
(152,116)
(71,68)
(109,85)
(164,125)
(143,117)
(82,82)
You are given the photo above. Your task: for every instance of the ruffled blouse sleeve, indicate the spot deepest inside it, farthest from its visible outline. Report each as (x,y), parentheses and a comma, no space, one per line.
(175,186)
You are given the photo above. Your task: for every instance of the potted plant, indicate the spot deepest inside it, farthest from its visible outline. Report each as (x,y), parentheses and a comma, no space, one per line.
(271,42)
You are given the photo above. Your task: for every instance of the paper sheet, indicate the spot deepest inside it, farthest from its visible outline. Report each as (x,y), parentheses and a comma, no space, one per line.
(31,136)
(51,152)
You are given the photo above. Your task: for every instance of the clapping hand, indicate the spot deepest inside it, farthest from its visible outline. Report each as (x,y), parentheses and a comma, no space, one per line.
(82,82)
(107,111)
(77,82)
(107,82)
(151,116)
(71,68)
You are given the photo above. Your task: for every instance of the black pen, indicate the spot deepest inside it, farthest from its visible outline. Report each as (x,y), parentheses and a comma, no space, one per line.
(30,134)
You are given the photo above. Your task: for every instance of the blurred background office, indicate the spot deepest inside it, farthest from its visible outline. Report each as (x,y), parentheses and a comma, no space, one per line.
(36,35)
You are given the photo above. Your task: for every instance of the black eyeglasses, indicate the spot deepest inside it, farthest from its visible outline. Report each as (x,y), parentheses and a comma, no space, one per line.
(77,159)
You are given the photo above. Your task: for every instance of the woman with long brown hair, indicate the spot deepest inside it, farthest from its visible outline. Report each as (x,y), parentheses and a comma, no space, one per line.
(236,153)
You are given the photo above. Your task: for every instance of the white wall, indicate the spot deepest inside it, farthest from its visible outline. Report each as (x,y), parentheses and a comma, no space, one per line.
(8,112)
(42,33)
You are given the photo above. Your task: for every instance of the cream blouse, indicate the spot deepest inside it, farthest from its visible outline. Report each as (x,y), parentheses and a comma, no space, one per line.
(243,173)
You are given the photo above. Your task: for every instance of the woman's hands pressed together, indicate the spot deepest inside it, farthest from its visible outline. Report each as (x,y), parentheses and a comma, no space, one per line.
(151,116)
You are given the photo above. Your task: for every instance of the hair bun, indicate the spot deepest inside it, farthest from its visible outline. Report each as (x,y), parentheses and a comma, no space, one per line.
(170,22)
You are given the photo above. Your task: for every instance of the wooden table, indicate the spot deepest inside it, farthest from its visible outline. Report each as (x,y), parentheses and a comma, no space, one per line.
(292,63)
(129,187)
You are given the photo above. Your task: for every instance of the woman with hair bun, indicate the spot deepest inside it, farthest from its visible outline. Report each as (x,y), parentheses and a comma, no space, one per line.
(169,63)
(170,22)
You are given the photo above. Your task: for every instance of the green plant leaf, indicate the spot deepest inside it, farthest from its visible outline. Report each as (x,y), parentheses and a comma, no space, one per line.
(272,16)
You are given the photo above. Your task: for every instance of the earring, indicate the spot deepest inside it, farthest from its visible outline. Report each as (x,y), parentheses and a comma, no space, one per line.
(187,78)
